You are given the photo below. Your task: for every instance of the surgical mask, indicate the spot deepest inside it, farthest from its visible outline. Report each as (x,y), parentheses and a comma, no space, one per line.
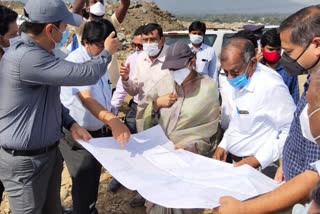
(180,75)
(138,52)
(63,40)
(271,56)
(292,66)
(305,125)
(152,49)
(241,80)
(97,9)
(196,39)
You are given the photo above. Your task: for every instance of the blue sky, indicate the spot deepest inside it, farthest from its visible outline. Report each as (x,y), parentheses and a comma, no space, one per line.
(233,6)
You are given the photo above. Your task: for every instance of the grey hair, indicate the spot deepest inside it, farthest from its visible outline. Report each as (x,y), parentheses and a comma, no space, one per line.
(304,25)
(245,46)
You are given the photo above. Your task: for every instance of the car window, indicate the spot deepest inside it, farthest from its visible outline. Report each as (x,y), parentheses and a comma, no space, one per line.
(226,37)
(208,39)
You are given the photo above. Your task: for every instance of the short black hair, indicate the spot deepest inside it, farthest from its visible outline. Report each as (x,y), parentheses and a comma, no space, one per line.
(304,25)
(139,31)
(97,30)
(271,37)
(7,16)
(197,25)
(34,28)
(246,34)
(147,29)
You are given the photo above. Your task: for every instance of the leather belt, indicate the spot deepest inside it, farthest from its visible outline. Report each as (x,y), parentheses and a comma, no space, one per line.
(33,152)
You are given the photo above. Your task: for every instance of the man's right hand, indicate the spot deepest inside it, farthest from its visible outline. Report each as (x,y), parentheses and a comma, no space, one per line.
(120,131)
(111,44)
(165,101)
(220,154)
(124,72)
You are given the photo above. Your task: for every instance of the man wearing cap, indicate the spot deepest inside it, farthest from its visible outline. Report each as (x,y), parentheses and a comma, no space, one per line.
(31,114)
(95,9)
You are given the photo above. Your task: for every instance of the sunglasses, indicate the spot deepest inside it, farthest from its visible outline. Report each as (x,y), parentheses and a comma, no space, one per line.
(136,45)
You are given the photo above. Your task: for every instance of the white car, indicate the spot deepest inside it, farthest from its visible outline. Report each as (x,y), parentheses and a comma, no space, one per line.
(215,37)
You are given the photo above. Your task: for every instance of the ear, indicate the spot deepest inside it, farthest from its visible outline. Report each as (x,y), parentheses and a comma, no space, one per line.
(87,9)
(162,41)
(316,42)
(48,29)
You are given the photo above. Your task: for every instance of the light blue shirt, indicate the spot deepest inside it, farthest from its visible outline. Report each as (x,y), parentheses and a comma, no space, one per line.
(206,60)
(101,92)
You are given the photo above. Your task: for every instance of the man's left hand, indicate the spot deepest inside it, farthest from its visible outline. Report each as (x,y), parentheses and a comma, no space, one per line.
(251,161)
(79,133)
(229,205)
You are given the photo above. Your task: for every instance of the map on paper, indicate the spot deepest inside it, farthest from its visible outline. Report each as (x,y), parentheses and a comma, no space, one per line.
(175,178)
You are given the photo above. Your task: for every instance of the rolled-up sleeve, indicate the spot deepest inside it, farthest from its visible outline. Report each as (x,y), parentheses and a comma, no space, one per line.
(45,69)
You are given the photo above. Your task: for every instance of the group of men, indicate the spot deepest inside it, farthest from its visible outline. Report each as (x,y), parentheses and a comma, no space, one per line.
(47,103)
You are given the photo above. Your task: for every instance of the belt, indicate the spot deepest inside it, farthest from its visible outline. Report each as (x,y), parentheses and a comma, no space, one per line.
(34,152)
(236,158)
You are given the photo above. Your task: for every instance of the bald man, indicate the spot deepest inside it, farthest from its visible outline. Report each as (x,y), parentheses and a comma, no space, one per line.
(262,108)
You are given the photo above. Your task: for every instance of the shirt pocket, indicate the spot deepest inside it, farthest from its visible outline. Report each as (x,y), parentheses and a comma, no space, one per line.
(243,123)
(202,65)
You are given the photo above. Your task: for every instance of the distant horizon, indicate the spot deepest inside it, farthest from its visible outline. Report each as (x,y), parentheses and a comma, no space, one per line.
(228,7)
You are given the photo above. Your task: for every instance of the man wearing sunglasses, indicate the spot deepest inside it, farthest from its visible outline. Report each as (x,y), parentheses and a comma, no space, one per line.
(262,108)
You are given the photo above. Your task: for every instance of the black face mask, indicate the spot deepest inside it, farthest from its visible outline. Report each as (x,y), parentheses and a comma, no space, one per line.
(292,66)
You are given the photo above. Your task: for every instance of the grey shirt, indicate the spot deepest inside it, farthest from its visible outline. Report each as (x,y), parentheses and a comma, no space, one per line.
(31,114)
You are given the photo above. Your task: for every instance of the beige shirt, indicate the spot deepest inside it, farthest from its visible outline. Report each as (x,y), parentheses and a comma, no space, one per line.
(146,74)
(113,67)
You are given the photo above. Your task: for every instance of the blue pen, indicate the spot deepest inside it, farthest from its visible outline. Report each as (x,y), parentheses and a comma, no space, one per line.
(238,111)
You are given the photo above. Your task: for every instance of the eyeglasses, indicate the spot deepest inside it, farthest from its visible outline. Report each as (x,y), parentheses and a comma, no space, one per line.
(137,45)
(237,72)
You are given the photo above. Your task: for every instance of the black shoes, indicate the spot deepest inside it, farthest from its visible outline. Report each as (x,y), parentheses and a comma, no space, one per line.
(114,185)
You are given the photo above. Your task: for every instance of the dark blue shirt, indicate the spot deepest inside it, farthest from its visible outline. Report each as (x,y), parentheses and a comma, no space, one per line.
(298,152)
(290,81)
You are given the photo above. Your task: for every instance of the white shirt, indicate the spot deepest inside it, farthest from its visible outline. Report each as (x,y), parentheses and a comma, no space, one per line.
(146,75)
(119,94)
(101,92)
(261,115)
(206,60)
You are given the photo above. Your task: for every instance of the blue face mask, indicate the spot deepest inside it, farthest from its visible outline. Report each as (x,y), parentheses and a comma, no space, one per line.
(240,81)
(64,39)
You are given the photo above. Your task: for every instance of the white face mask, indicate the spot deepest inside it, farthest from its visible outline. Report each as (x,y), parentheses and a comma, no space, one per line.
(180,75)
(196,39)
(97,9)
(152,49)
(305,126)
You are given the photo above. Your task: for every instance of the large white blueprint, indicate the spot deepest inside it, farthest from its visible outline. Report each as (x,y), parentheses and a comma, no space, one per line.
(175,178)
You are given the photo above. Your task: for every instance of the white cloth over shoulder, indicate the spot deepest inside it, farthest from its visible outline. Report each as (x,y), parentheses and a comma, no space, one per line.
(175,178)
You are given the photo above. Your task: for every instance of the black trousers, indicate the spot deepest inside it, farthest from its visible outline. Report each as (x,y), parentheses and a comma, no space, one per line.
(85,172)
(130,119)
(1,191)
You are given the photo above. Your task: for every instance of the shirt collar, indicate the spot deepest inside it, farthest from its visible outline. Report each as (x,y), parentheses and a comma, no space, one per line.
(202,46)
(252,83)
(161,56)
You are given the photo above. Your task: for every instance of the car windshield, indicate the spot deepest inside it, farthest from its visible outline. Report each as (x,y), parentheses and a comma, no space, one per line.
(208,39)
